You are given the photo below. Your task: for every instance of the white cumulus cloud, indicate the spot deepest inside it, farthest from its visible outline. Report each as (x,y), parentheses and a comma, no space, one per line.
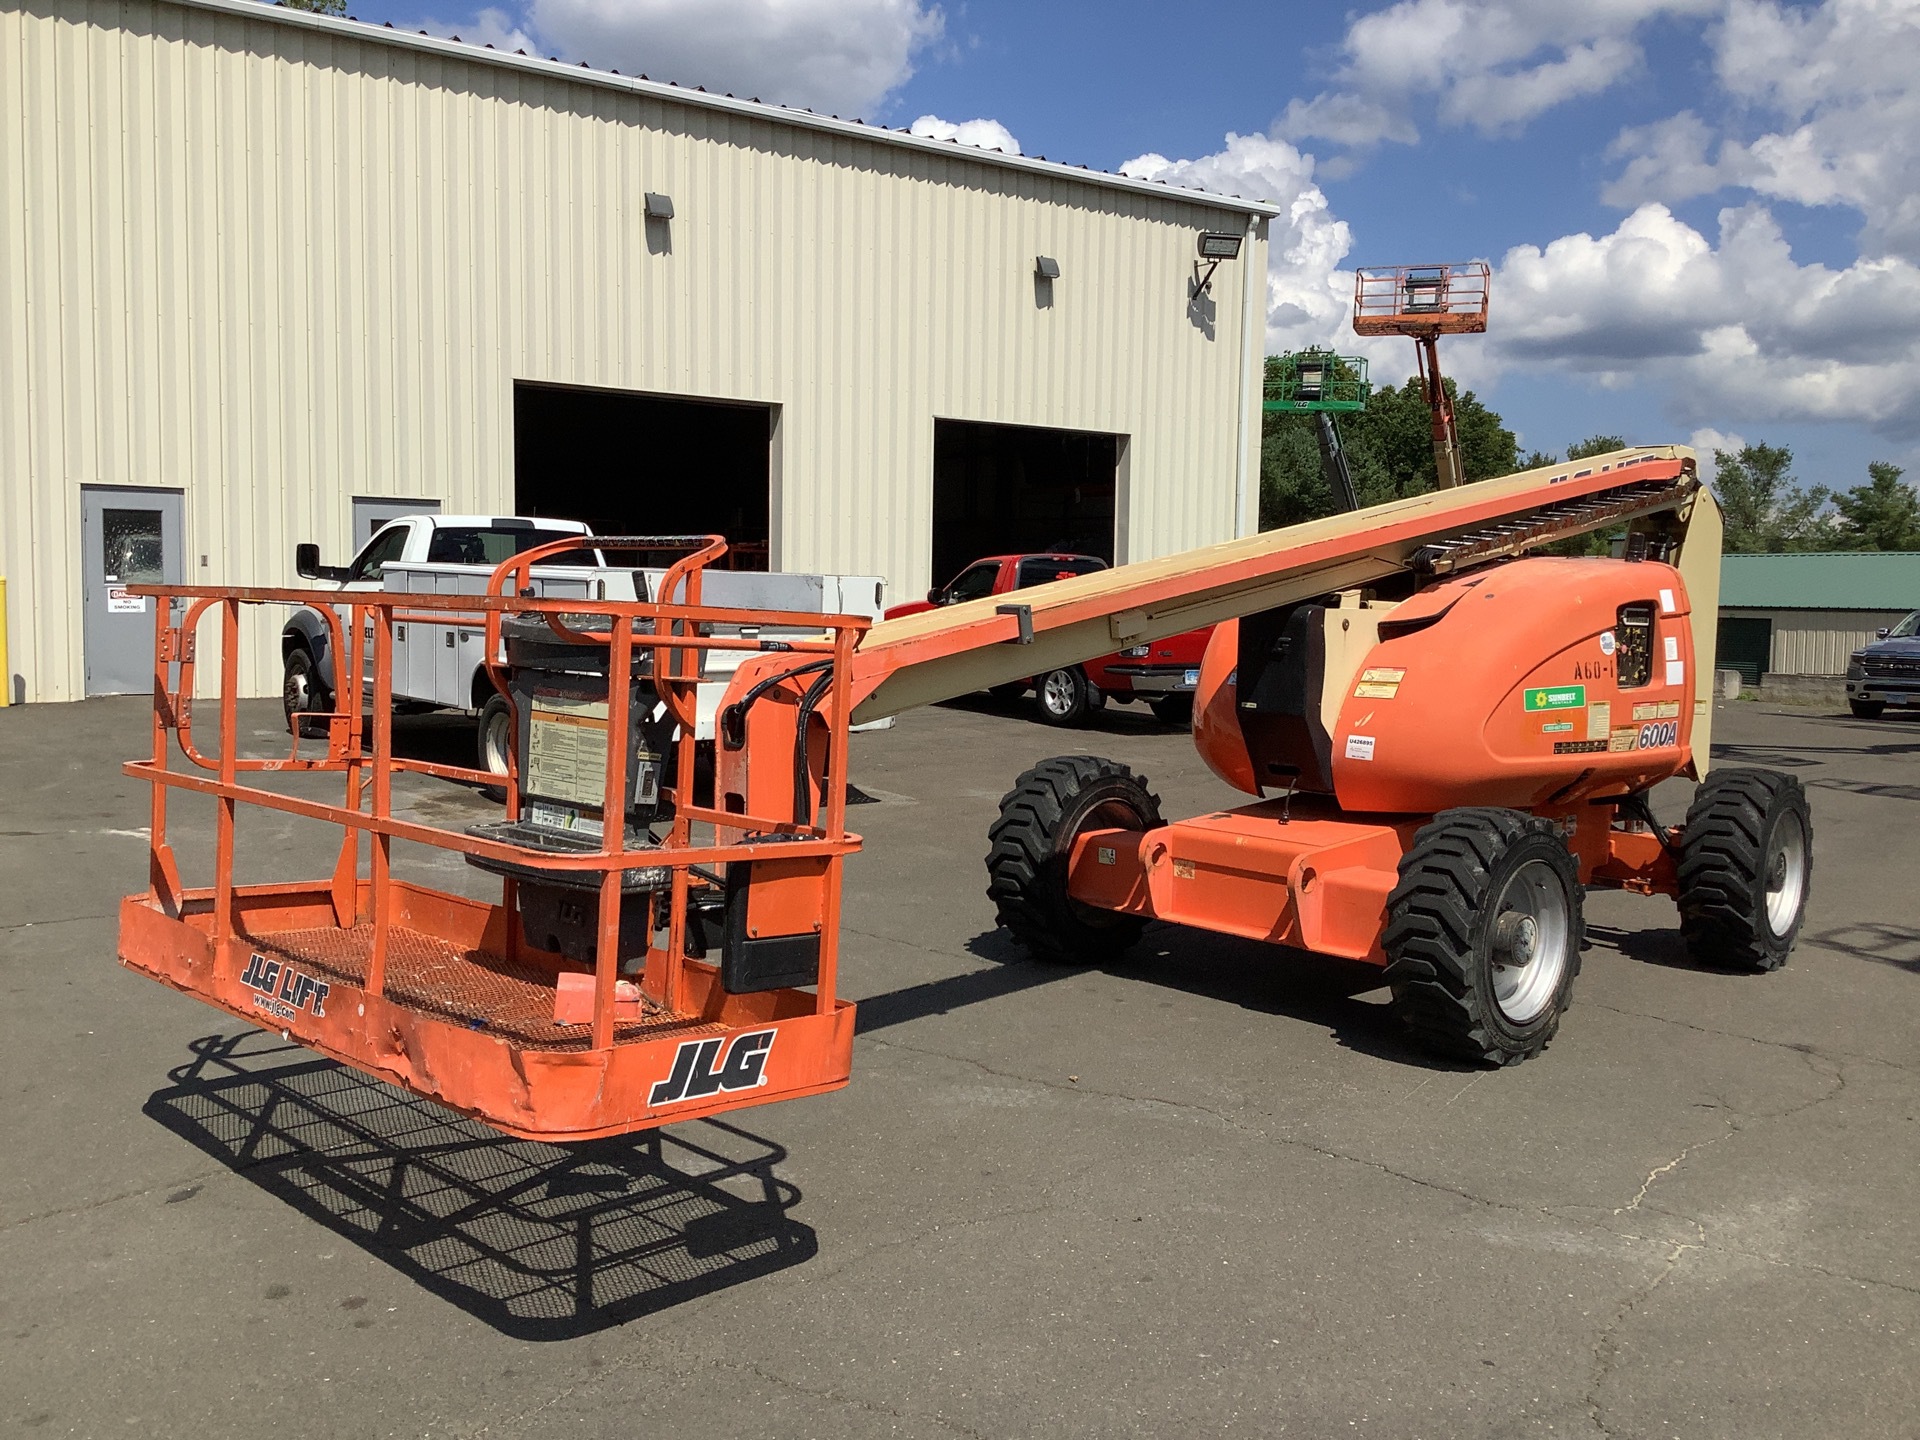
(1704,441)
(1492,65)
(1825,111)
(986,134)
(842,57)
(1309,297)
(1728,331)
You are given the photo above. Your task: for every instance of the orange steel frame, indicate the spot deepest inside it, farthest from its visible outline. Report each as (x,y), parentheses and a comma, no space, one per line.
(202,940)
(1304,873)
(1458,306)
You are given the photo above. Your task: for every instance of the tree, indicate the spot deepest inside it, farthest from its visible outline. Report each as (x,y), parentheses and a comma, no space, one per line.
(1595,445)
(1766,510)
(1389,449)
(1883,514)
(317,7)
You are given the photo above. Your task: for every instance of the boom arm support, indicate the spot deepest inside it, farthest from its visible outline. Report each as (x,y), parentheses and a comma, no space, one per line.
(936,655)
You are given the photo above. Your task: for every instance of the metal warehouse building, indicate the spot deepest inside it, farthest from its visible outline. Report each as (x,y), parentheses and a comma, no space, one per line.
(266,276)
(1804,614)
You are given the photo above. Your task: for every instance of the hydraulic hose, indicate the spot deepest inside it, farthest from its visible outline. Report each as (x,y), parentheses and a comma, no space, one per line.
(802,777)
(733,719)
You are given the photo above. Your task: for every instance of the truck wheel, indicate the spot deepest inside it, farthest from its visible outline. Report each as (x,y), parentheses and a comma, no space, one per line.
(1063,696)
(1867,709)
(1174,709)
(301,692)
(1040,818)
(1483,935)
(1746,863)
(495,734)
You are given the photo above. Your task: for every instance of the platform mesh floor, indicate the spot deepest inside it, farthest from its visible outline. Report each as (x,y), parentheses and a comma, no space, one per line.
(487,991)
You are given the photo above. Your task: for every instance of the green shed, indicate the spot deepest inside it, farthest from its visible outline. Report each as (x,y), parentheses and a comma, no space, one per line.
(1804,614)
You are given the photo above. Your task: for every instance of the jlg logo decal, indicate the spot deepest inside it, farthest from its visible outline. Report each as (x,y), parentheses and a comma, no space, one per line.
(283,989)
(1652,737)
(699,1070)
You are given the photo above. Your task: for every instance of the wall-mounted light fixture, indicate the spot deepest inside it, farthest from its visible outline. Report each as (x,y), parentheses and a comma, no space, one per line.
(1215,246)
(1045,267)
(659,207)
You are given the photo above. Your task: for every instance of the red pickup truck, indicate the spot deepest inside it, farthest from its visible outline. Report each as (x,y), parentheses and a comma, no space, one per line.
(1162,674)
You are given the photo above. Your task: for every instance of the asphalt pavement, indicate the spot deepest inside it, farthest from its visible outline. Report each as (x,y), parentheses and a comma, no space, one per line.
(1206,1191)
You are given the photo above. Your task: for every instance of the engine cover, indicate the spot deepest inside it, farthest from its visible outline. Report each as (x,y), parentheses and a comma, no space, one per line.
(1539,682)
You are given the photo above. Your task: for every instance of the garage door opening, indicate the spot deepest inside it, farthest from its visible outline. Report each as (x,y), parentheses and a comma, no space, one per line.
(631,464)
(1000,489)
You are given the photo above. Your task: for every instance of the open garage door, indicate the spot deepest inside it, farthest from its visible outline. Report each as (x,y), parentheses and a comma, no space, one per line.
(1000,489)
(633,464)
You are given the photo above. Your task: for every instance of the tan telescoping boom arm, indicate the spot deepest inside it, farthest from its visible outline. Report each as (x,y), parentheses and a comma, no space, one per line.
(938,654)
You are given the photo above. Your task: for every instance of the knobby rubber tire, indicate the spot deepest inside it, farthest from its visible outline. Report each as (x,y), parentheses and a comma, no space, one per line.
(1438,937)
(1030,843)
(1725,847)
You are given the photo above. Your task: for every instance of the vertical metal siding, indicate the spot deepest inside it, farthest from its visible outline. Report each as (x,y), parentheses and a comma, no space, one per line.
(1817,642)
(277,266)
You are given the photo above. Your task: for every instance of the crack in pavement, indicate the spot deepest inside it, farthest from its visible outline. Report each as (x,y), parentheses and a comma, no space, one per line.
(199,1178)
(515,1423)
(1795,1045)
(872,1407)
(874,1251)
(1606,1346)
(48,924)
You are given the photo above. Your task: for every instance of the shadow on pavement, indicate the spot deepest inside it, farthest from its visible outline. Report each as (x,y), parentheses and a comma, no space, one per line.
(1316,990)
(1866,787)
(1801,756)
(1659,946)
(1895,945)
(542,1242)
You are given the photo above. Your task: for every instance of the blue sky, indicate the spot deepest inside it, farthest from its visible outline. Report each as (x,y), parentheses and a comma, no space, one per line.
(1704,215)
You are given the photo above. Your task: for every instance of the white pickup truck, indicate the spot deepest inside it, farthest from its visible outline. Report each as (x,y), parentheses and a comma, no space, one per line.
(443,665)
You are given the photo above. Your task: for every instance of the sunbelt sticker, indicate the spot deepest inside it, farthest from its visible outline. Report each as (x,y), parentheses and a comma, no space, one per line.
(1564,697)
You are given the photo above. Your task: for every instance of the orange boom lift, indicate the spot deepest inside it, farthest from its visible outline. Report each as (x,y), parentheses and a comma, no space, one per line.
(1446,740)
(1426,302)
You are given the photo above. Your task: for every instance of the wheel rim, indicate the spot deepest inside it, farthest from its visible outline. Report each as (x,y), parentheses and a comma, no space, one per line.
(1786,874)
(1529,942)
(1111,814)
(494,743)
(1056,692)
(294,693)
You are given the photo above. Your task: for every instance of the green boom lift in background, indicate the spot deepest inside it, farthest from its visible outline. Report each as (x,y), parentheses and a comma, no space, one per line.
(1322,384)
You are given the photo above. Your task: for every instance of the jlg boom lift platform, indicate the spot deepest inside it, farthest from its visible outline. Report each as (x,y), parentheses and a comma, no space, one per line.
(1446,741)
